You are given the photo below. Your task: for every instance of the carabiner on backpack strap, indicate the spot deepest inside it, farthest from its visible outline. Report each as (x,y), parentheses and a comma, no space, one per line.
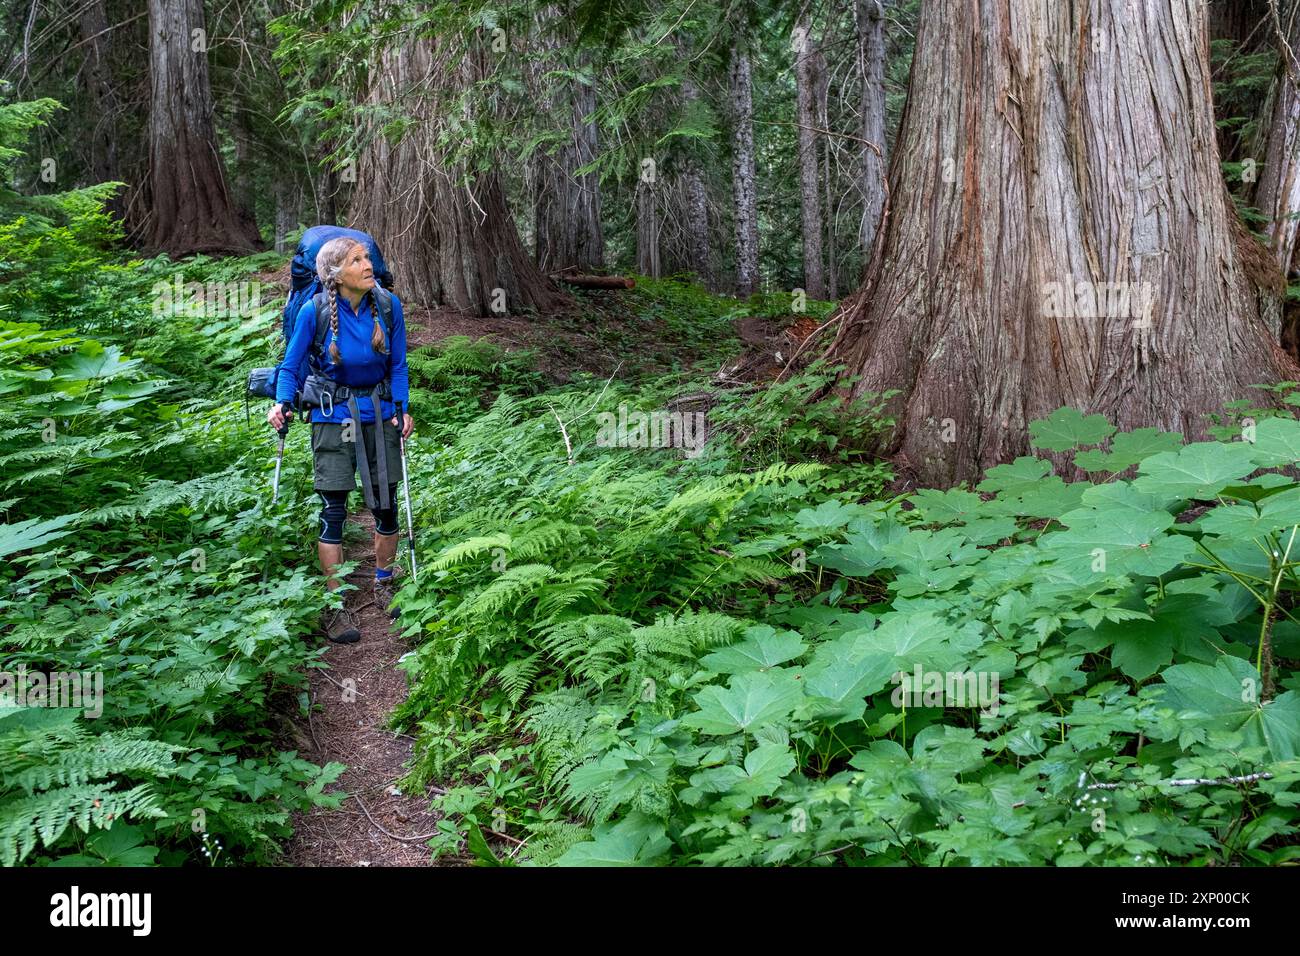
(327,394)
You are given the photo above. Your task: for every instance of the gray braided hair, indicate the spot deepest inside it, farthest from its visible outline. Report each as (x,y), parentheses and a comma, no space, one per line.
(329,263)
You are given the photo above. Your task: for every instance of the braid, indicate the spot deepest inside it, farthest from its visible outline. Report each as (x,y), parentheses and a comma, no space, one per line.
(334,322)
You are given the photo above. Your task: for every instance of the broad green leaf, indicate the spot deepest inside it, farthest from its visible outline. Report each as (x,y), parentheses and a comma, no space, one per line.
(1280,512)
(1257,489)
(921,550)
(1200,470)
(830,515)
(762,648)
(1120,494)
(749,701)
(766,765)
(1067,428)
(1129,448)
(843,673)
(635,841)
(763,770)
(1021,475)
(1046,499)
(1226,696)
(941,507)
(1120,542)
(1277,442)
(93,361)
(863,551)
(1181,623)
(32,533)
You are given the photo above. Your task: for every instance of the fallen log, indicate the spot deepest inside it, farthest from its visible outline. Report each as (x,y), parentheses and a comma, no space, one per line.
(597,282)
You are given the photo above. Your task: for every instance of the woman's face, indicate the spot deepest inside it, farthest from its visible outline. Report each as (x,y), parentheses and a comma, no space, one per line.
(357,274)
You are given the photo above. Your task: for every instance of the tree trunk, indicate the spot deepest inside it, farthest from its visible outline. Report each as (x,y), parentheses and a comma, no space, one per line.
(287,206)
(450,239)
(743,176)
(647,228)
(871,55)
(822,102)
(241,174)
(99,81)
(327,190)
(1278,194)
(1053,143)
(190,207)
(806,72)
(1247,26)
(567,215)
(697,204)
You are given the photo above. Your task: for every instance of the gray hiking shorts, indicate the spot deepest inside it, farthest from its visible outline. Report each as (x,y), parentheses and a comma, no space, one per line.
(335,460)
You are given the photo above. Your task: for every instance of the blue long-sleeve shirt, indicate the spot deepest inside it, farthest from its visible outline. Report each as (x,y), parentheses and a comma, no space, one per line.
(361,365)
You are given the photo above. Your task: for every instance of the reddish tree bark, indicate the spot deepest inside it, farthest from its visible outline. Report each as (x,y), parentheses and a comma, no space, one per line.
(190,208)
(1043,143)
(449,238)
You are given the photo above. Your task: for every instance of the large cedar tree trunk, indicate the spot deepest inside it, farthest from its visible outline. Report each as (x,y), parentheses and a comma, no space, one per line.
(190,209)
(567,213)
(448,242)
(1052,142)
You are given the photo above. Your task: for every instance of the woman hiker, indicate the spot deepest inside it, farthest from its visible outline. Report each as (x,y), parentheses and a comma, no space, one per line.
(361,370)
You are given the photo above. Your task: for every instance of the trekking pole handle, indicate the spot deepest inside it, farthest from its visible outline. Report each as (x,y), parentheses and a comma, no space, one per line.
(286,409)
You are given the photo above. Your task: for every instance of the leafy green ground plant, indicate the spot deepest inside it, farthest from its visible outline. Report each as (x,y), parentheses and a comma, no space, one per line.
(136,535)
(704,665)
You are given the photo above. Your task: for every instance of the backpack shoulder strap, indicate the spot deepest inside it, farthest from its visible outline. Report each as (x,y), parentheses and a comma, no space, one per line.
(383,305)
(383,300)
(321,303)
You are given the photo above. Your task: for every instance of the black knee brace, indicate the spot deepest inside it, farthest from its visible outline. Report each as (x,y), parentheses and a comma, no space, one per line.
(333,512)
(386,518)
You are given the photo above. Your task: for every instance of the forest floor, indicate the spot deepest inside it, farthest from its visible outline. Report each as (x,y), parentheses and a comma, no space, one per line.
(378,825)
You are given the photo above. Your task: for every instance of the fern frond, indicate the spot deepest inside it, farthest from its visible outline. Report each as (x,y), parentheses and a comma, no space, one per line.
(45,816)
(511,588)
(471,548)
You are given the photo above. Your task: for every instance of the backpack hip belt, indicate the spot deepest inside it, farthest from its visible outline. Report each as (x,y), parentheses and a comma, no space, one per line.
(324,393)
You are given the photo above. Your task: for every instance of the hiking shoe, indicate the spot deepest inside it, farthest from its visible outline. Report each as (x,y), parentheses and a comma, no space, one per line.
(384,591)
(340,627)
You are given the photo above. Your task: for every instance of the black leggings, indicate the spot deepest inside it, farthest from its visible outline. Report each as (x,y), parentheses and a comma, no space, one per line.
(334,511)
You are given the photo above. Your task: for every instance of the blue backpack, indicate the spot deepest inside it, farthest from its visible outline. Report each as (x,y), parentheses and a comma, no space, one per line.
(305,284)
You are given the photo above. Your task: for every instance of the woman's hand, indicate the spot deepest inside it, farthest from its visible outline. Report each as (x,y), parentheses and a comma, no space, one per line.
(279,416)
(407,424)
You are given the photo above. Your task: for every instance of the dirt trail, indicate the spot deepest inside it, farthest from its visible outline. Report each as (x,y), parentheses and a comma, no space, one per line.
(357,693)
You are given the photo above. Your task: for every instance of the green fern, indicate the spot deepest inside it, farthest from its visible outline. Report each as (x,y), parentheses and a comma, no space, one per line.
(54,773)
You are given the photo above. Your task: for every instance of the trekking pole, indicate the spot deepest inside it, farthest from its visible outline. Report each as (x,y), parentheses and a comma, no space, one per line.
(283,432)
(406,491)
